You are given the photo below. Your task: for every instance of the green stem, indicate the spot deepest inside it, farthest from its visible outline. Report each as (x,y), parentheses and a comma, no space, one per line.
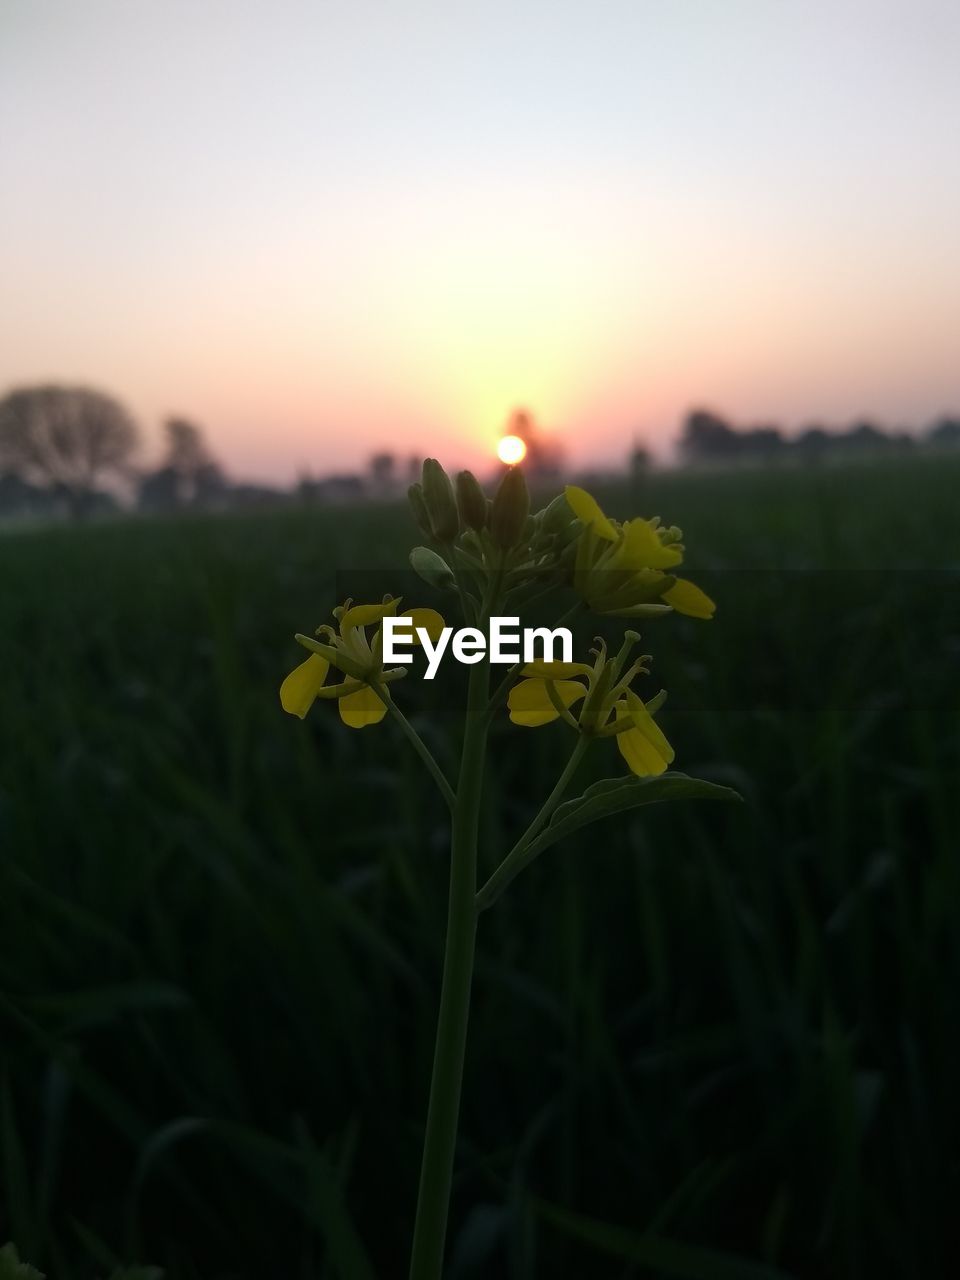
(467,611)
(513,863)
(502,689)
(418,744)
(571,612)
(436,1174)
(537,595)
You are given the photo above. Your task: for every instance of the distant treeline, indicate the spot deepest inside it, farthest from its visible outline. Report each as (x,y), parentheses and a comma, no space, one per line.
(708,438)
(71,452)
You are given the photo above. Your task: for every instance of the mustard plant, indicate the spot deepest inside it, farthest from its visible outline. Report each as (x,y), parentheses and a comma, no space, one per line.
(491,556)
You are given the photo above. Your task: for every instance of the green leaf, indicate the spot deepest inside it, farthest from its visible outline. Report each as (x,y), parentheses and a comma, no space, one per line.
(137,1273)
(613,795)
(665,1257)
(11,1268)
(324,1204)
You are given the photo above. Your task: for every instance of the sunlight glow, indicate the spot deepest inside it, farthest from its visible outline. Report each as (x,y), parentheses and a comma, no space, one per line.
(511,450)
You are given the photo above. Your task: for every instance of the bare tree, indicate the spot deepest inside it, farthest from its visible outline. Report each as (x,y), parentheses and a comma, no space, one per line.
(188,474)
(66,437)
(383,473)
(187,452)
(195,478)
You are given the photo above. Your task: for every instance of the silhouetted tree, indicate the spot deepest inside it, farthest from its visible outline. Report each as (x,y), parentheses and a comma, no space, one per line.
(708,438)
(762,444)
(902,441)
(544,457)
(638,473)
(187,476)
(186,449)
(69,438)
(200,478)
(209,484)
(811,445)
(159,490)
(639,460)
(383,473)
(865,437)
(945,433)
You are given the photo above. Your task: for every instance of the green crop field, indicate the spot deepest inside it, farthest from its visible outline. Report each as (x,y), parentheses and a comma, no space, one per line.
(710,1041)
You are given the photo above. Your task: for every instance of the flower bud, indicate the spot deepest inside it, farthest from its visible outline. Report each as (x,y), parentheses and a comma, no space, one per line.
(420,513)
(557,516)
(433,569)
(471,501)
(511,506)
(440,502)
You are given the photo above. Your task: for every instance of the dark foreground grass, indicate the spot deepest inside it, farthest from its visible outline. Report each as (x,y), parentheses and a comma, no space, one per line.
(713,1042)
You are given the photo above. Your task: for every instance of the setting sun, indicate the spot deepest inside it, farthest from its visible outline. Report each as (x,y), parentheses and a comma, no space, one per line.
(511,450)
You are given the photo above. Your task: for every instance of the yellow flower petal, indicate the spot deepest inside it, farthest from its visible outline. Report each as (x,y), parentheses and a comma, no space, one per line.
(642,549)
(586,508)
(687,598)
(303,684)
(530,705)
(648,727)
(428,619)
(646,754)
(640,754)
(555,670)
(362,615)
(361,708)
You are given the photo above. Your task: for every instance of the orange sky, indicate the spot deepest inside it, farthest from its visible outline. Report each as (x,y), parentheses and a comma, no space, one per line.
(321,233)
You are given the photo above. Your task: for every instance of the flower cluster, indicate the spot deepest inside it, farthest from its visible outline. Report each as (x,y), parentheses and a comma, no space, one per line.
(608,705)
(490,551)
(620,568)
(362,696)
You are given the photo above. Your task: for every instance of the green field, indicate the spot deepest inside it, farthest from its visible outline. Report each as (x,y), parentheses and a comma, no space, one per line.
(705,1039)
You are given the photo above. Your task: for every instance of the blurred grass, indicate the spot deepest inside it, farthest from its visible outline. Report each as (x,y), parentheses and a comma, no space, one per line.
(704,1040)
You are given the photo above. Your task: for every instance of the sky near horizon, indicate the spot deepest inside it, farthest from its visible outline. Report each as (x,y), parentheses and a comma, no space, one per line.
(324,229)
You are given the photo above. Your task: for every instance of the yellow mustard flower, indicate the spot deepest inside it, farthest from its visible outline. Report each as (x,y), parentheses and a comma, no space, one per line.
(549,690)
(643,745)
(546,691)
(348,650)
(620,568)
